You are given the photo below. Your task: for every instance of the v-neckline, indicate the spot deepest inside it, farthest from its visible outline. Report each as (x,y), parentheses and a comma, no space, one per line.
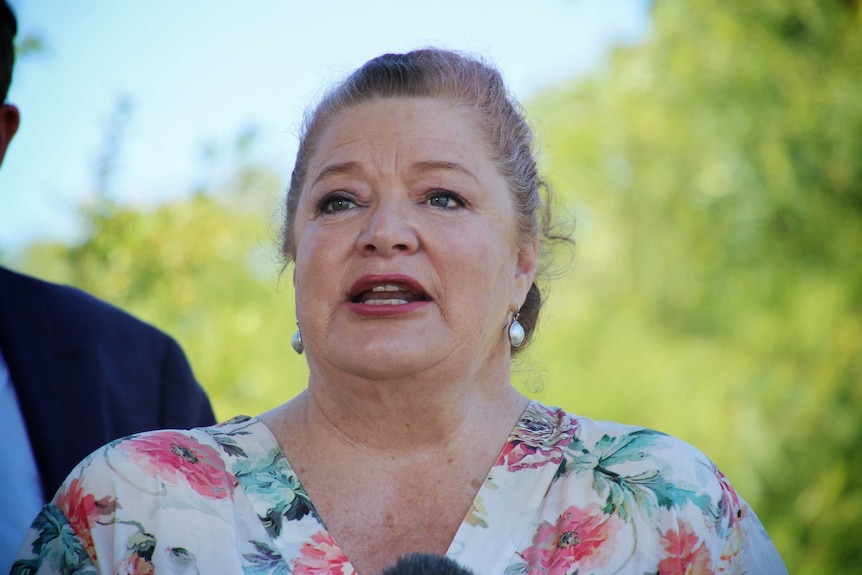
(474,544)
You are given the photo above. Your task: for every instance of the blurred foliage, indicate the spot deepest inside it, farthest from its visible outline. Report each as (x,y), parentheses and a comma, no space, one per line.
(30,45)
(204,269)
(716,174)
(715,171)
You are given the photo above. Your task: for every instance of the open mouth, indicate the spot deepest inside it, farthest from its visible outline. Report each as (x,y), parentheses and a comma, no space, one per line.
(388,294)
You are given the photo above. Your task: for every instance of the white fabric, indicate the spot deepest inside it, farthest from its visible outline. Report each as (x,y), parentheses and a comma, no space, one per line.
(567,495)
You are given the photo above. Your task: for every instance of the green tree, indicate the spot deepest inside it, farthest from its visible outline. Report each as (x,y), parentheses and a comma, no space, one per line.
(206,270)
(716,173)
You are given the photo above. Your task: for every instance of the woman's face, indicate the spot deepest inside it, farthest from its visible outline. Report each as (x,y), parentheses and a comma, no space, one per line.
(407,250)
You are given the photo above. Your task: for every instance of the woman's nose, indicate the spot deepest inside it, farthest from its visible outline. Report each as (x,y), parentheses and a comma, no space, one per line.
(388,230)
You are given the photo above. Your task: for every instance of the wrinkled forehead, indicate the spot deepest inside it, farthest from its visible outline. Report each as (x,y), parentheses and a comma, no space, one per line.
(399,132)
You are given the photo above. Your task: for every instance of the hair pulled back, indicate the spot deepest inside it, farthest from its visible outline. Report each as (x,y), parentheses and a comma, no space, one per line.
(435,73)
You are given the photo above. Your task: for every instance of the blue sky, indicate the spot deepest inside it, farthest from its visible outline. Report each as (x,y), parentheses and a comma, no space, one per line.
(200,72)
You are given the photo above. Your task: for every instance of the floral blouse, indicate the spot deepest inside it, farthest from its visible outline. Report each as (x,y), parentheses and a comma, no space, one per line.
(567,495)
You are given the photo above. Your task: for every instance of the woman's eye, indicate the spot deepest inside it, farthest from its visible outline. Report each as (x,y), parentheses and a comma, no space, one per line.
(335,203)
(445,200)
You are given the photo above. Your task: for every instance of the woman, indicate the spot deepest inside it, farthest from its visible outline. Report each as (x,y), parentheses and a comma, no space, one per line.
(413,221)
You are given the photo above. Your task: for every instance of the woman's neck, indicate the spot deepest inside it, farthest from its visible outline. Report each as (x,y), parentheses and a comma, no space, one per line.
(393,466)
(400,414)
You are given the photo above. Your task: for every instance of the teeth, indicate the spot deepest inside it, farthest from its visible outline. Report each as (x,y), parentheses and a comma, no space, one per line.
(386,288)
(386,302)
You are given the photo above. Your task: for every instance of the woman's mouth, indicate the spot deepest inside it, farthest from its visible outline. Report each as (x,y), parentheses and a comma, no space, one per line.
(387,294)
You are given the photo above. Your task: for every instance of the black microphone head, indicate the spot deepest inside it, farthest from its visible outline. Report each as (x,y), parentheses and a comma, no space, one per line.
(425,564)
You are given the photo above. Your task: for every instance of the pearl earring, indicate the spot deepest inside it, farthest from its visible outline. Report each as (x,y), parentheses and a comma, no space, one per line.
(516,331)
(296,341)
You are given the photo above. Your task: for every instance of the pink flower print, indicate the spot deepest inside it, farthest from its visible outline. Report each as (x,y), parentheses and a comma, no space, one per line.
(730,503)
(322,557)
(172,456)
(582,538)
(685,552)
(732,549)
(82,510)
(539,438)
(135,565)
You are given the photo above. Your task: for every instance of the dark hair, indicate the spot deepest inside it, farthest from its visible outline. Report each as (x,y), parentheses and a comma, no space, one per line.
(425,564)
(469,82)
(8,30)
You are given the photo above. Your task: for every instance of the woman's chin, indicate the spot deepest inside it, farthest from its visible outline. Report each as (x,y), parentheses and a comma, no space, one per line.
(378,357)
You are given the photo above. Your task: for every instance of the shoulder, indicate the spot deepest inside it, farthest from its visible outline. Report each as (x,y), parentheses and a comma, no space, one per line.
(637,473)
(22,285)
(184,463)
(155,463)
(610,443)
(586,442)
(163,488)
(140,472)
(68,306)
(633,479)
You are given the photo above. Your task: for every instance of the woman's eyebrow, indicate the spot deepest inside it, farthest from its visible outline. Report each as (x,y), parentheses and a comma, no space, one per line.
(434,165)
(344,168)
(353,168)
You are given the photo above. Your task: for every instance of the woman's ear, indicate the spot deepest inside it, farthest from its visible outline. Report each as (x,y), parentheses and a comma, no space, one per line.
(525,273)
(9,121)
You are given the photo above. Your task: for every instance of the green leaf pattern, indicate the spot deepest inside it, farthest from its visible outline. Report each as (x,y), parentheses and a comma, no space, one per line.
(645,490)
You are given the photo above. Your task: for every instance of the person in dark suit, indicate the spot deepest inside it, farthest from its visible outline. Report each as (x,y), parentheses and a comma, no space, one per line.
(86,372)
(75,372)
